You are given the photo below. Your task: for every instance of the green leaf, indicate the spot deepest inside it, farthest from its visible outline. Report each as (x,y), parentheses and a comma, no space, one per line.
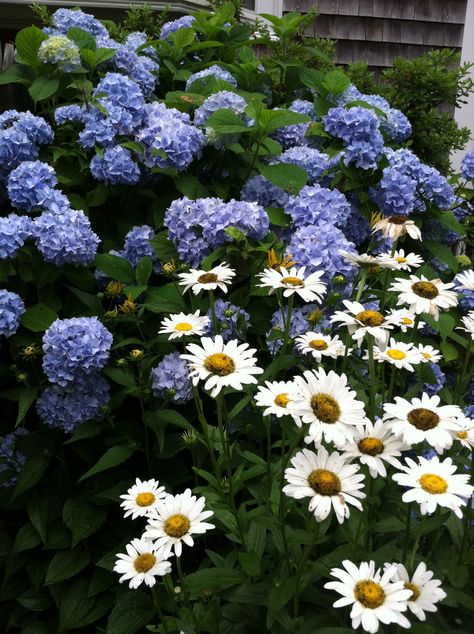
(38,511)
(26,538)
(43,87)
(104,54)
(115,267)
(32,472)
(27,43)
(66,564)
(25,401)
(290,178)
(450,352)
(445,324)
(38,318)
(82,519)
(74,606)
(336,82)
(111,458)
(448,219)
(82,38)
(97,196)
(17,74)
(164,248)
(190,186)
(213,579)
(134,146)
(282,593)
(282,118)
(278,217)
(143,271)
(225,121)
(166,299)
(131,613)
(183,37)
(389,525)
(89,429)
(121,377)
(442,252)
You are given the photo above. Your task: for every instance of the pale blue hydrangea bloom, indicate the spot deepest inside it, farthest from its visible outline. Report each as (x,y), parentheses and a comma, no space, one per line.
(313,161)
(217,101)
(14,230)
(11,309)
(115,166)
(64,19)
(214,71)
(168,28)
(29,185)
(170,379)
(74,348)
(61,51)
(67,407)
(303,319)
(141,69)
(233,321)
(467,165)
(11,457)
(137,246)
(315,204)
(260,190)
(73,112)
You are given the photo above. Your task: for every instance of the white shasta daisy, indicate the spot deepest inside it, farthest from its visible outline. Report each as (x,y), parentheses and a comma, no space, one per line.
(142,563)
(374,596)
(309,288)
(464,432)
(432,482)
(423,419)
(142,497)
(426,591)
(423,295)
(328,479)
(176,520)
(404,319)
(318,345)
(401,355)
(183,325)
(401,261)
(275,396)
(428,353)
(365,259)
(220,364)
(361,321)
(465,281)
(396,226)
(328,404)
(468,321)
(373,445)
(218,277)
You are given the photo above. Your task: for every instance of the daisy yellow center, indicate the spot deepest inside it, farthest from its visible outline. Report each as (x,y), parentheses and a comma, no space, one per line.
(293,281)
(433,483)
(397,220)
(370,318)
(371,446)
(400,260)
(462,435)
(370,594)
(177,525)
(423,419)
(324,482)
(398,355)
(282,400)
(415,589)
(145,499)
(183,326)
(325,408)
(144,562)
(426,355)
(406,321)
(220,364)
(427,290)
(318,344)
(207,278)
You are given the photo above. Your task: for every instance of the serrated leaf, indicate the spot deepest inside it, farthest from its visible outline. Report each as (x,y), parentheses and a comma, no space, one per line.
(143,271)
(213,579)
(132,612)
(115,267)
(278,217)
(190,186)
(442,252)
(225,121)
(183,37)
(43,87)
(112,457)
(166,299)
(336,82)
(283,118)
(27,43)
(82,519)
(66,564)
(17,74)
(38,318)
(89,429)
(25,401)
(164,248)
(83,39)
(290,178)
(32,472)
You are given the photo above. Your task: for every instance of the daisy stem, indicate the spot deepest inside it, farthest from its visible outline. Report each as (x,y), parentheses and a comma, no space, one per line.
(363,278)
(416,543)
(369,512)
(461,382)
(415,327)
(373,384)
(215,323)
(467,517)
(286,337)
(304,558)
(227,457)
(407,532)
(267,423)
(391,385)
(205,432)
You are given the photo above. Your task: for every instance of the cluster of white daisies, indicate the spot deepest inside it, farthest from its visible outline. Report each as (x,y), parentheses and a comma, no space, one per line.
(329,410)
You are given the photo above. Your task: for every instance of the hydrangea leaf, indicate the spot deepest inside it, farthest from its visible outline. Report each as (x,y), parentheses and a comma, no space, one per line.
(27,43)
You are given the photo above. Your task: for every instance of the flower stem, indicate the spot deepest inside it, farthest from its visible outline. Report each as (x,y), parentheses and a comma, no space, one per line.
(372,374)
(462,381)
(363,279)
(299,570)
(205,433)
(416,543)
(467,517)
(215,323)
(407,532)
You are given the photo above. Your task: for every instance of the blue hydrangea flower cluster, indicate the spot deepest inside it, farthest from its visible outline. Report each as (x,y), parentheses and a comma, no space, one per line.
(303,319)
(357,228)
(217,101)
(233,321)
(61,51)
(74,348)
(465,296)
(439,232)
(170,379)
(396,193)
(439,380)
(65,237)
(14,230)
(11,457)
(169,138)
(317,248)
(11,309)
(30,184)
(302,106)
(436,188)
(197,227)
(467,166)
(168,28)
(315,204)
(214,71)
(142,69)
(21,134)
(115,166)
(260,190)
(64,19)
(313,161)
(63,114)
(359,130)
(137,246)
(67,407)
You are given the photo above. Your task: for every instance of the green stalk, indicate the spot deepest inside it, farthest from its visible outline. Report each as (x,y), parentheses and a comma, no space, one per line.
(462,380)
(467,517)
(215,323)
(363,278)
(299,570)
(372,374)
(205,433)
(407,532)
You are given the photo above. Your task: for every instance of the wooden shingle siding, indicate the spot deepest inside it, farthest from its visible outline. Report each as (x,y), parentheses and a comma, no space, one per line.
(379,30)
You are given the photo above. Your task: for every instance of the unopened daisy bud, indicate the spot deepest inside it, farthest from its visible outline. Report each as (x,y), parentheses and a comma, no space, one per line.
(122,362)
(128,306)
(30,351)
(464,261)
(338,279)
(177,589)
(100,295)
(22,377)
(111,314)
(189,437)
(136,354)
(169,267)
(114,288)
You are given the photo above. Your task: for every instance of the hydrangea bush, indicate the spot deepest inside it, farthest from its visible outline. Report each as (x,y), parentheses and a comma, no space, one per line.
(236,369)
